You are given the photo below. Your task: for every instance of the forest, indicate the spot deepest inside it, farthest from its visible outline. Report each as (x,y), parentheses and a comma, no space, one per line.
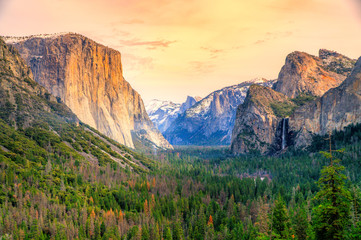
(49,192)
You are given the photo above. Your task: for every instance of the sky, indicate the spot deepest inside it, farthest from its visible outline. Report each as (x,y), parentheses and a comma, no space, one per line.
(174,48)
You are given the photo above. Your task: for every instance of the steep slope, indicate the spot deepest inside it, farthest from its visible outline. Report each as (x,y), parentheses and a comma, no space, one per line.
(258,123)
(211,120)
(307,74)
(34,124)
(336,109)
(163,113)
(88,78)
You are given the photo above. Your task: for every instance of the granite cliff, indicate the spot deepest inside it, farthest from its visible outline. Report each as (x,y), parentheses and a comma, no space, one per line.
(88,78)
(336,109)
(258,125)
(22,100)
(35,126)
(307,74)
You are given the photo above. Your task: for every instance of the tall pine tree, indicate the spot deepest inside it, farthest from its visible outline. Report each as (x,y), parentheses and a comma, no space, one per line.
(332,214)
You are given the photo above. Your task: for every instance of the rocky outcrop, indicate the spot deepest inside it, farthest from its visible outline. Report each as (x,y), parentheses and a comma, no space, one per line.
(211,120)
(258,128)
(88,78)
(336,109)
(310,75)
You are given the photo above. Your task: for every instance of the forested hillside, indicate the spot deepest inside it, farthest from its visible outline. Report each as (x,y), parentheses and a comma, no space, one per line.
(46,194)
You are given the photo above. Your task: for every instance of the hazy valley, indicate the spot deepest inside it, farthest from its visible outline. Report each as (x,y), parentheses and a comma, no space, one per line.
(82,157)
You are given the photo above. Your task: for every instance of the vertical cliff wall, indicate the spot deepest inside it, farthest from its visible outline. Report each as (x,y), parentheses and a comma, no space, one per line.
(88,78)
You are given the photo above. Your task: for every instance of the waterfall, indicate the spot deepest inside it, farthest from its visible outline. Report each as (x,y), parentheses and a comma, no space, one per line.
(283,144)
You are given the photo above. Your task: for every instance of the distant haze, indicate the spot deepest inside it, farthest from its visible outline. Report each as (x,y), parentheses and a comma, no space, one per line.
(171,49)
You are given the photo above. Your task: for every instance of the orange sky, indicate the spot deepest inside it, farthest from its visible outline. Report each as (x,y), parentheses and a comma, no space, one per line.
(176,48)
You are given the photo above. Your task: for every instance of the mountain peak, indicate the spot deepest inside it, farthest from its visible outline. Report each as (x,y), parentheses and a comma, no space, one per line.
(190,101)
(308,74)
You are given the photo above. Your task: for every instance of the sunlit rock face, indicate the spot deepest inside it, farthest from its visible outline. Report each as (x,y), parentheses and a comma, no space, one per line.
(88,78)
(334,105)
(307,74)
(336,109)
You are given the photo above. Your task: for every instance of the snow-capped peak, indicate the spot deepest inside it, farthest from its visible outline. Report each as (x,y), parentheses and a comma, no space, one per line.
(163,113)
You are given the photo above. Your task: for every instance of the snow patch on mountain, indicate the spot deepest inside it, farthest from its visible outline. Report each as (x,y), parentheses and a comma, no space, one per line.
(163,113)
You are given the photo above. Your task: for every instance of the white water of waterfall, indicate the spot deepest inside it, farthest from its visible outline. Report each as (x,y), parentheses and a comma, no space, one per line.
(283,133)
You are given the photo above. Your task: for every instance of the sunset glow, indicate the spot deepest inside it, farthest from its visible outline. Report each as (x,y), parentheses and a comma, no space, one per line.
(172,49)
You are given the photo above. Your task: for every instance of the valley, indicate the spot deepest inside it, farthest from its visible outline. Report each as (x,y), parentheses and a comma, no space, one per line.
(80,157)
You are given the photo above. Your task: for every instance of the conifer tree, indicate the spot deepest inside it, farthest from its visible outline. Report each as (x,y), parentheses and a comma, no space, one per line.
(332,215)
(300,223)
(280,219)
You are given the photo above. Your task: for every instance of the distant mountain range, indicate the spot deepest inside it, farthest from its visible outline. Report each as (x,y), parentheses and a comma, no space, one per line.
(210,121)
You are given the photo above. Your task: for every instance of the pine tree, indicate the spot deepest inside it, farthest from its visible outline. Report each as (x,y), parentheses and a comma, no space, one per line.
(280,220)
(331,216)
(300,223)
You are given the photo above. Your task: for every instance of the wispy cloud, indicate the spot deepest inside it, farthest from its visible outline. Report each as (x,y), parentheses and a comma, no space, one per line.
(149,44)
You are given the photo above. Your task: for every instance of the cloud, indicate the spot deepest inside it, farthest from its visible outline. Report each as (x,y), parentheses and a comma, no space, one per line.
(201,67)
(272,36)
(149,44)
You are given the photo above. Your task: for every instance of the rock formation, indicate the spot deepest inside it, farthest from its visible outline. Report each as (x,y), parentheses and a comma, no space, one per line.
(22,100)
(311,75)
(336,109)
(265,123)
(258,128)
(88,78)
